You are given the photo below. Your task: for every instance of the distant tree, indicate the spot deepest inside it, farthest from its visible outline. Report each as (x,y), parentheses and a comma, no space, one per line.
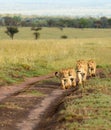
(2,22)
(36,28)
(11,31)
(51,23)
(109,22)
(17,20)
(83,22)
(9,21)
(97,24)
(104,22)
(36,33)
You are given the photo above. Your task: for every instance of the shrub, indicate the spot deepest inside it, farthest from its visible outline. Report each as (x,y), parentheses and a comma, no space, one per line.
(64,37)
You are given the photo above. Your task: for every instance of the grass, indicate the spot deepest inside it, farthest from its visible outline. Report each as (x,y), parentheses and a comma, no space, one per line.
(10,105)
(92,111)
(25,57)
(25,33)
(33,93)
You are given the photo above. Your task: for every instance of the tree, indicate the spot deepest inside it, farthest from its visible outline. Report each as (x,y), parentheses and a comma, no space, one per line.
(17,20)
(36,28)
(36,33)
(104,22)
(11,31)
(109,22)
(83,22)
(97,24)
(9,21)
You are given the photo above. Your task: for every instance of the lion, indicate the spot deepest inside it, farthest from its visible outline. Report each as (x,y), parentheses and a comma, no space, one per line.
(67,77)
(72,76)
(82,70)
(91,68)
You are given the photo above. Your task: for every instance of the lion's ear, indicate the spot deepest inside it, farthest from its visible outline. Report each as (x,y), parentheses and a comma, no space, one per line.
(57,74)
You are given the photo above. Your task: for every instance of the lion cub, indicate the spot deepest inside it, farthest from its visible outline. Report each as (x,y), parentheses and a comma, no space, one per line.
(82,69)
(91,68)
(67,77)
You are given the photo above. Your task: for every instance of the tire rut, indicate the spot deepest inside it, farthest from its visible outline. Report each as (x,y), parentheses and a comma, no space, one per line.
(25,110)
(7,91)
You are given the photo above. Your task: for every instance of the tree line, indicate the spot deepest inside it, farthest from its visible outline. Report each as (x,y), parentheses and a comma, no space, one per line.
(61,22)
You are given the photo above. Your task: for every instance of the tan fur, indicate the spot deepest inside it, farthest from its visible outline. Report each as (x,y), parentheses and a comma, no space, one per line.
(82,69)
(67,77)
(91,68)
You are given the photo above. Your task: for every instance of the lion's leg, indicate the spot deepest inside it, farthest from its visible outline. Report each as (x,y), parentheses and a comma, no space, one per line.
(94,72)
(63,84)
(90,72)
(84,78)
(79,79)
(74,83)
(69,83)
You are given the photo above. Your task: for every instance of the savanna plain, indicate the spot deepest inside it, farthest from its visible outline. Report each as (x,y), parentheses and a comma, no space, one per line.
(26,57)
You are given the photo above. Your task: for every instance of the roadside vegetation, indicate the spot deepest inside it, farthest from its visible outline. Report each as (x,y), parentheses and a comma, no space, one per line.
(89,111)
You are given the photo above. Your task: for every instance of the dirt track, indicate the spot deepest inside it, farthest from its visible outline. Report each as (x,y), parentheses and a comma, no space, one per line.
(20,109)
(6,91)
(23,108)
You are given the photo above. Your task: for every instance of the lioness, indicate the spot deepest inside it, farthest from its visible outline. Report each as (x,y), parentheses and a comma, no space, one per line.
(67,77)
(91,68)
(82,69)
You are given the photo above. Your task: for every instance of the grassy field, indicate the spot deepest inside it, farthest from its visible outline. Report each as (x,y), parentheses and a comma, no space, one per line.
(25,33)
(23,57)
(26,57)
(92,111)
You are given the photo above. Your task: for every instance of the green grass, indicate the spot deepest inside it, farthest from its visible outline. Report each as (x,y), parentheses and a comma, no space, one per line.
(33,93)
(11,106)
(25,33)
(92,110)
(26,57)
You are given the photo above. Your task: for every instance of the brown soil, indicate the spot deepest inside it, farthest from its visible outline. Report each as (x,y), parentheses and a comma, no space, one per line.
(6,91)
(23,108)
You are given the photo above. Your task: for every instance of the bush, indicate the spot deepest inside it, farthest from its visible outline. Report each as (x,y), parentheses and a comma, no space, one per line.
(64,37)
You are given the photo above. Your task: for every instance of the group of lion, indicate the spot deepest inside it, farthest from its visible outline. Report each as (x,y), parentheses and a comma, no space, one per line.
(70,76)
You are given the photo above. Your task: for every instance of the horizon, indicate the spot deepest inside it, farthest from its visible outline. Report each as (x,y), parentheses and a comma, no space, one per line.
(66,8)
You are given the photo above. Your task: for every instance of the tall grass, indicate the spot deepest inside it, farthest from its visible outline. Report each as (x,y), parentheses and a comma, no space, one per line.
(58,53)
(20,58)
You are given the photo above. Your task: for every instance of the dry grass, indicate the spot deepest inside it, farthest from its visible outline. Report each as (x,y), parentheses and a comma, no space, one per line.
(21,58)
(55,51)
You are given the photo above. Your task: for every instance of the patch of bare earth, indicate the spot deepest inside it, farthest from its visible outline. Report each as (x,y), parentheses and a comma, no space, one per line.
(25,106)
(33,105)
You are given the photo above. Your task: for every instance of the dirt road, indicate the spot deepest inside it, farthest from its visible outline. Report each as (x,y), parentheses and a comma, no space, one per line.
(27,106)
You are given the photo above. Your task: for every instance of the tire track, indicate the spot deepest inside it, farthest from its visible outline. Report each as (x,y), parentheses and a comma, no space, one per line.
(7,91)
